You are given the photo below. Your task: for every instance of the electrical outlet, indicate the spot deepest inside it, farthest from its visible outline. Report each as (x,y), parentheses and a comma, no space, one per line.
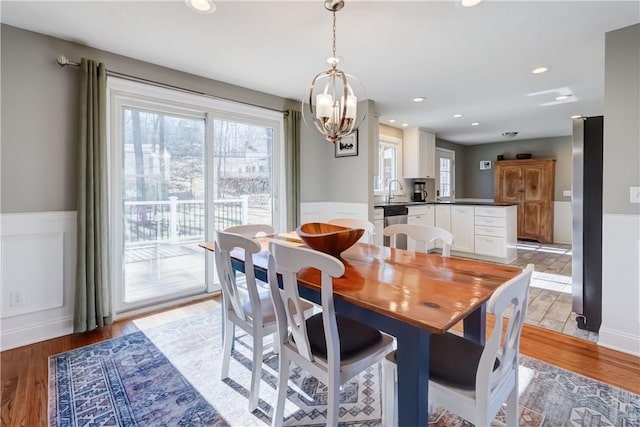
(567,193)
(17,298)
(634,194)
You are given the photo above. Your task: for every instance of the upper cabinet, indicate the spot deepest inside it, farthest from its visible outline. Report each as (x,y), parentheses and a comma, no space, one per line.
(419,152)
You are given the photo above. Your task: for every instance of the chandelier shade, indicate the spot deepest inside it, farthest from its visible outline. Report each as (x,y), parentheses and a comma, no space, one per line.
(331,102)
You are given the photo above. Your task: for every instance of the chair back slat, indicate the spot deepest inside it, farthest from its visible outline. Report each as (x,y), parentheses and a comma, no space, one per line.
(509,299)
(225,243)
(288,261)
(251,230)
(421,233)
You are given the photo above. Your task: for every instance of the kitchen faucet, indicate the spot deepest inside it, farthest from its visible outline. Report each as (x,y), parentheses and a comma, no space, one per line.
(389,196)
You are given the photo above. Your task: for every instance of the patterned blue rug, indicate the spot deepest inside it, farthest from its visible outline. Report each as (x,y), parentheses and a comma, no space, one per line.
(126,381)
(170,377)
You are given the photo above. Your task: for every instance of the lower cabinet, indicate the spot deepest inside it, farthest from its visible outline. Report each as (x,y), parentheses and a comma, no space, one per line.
(496,232)
(420,215)
(462,228)
(378,222)
(483,232)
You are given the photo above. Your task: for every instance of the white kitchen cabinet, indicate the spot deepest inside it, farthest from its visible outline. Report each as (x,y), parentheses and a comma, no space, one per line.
(420,215)
(378,222)
(495,232)
(462,228)
(443,217)
(419,153)
(443,220)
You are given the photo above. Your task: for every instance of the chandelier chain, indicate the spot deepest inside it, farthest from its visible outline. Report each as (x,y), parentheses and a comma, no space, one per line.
(334,39)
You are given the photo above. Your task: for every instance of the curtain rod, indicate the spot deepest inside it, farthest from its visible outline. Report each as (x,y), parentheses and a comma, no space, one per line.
(63,61)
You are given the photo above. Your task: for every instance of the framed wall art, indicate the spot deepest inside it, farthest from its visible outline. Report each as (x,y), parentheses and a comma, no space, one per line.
(347,146)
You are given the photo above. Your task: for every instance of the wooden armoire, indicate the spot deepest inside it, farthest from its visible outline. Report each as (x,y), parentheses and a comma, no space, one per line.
(530,185)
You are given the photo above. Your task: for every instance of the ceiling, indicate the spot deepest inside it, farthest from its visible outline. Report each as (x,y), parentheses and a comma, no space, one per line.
(471,61)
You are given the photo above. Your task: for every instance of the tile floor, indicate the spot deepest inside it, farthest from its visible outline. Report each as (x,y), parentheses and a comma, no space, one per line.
(550,293)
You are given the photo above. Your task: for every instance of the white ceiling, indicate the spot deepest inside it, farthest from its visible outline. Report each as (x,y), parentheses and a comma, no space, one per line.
(473,61)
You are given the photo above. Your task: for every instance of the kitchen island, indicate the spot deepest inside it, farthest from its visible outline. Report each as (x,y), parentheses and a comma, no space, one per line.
(481,230)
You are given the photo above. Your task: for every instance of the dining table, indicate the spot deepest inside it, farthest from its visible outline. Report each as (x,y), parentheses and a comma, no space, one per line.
(409,295)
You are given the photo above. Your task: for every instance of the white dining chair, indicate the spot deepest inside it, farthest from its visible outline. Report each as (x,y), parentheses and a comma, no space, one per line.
(421,233)
(367,226)
(331,347)
(251,230)
(466,378)
(253,314)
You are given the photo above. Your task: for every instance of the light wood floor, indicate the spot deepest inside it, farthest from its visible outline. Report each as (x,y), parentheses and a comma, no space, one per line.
(24,370)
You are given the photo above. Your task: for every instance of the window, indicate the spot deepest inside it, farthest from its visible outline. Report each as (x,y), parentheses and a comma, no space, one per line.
(389,163)
(445,174)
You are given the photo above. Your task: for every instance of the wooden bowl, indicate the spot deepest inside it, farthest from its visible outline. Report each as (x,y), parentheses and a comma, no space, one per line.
(328,238)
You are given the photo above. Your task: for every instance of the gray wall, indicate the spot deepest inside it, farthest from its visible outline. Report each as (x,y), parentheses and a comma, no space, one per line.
(479,183)
(314,159)
(459,165)
(621,120)
(39,104)
(350,178)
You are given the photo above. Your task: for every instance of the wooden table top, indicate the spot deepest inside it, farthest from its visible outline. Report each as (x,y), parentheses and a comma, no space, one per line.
(425,290)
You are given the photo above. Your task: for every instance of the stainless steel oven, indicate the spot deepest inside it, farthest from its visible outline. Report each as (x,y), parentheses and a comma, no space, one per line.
(396,214)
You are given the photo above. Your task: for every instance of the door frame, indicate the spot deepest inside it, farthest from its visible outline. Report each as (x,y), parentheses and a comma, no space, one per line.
(122,92)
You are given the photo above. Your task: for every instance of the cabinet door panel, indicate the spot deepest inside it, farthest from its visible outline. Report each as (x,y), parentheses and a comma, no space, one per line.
(532,219)
(533,185)
(462,228)
(510,184)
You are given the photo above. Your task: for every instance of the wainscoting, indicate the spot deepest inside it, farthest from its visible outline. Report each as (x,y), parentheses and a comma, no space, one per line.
(620,329)
(38,276)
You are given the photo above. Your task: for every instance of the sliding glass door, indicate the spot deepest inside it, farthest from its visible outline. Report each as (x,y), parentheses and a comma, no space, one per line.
(181,167)
(242,173)
(163,209)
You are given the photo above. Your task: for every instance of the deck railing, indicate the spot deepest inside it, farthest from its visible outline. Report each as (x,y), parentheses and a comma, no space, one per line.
(175,221)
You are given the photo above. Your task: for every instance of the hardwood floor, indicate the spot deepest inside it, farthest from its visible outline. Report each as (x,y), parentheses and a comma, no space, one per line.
(24,370)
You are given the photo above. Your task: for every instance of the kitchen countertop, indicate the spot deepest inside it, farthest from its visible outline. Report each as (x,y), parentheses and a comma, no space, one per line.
(382,205)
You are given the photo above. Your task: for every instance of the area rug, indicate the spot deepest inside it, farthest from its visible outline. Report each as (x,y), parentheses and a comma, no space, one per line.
(169,375)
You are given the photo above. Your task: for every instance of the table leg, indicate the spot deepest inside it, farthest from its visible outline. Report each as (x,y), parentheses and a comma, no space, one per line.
(412,358)
(475,325)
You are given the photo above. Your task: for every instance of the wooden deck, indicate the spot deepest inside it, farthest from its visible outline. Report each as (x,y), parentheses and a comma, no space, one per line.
(163,270)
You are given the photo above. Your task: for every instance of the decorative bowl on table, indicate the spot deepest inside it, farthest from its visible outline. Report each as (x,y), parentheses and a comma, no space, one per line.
(329,238)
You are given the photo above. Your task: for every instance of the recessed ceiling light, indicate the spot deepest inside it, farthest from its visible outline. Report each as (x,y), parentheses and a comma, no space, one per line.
(578,116)
(457,116)
(539,70)
(392,120)
(469,3)
(418,99)
(405,124)
(475,124)
(562,97)
(201,6)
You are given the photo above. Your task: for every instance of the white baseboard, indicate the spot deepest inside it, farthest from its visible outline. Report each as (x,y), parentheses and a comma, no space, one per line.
(619,341)
(35,332)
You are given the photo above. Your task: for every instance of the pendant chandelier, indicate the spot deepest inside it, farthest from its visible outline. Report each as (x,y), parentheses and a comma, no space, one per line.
(331,102)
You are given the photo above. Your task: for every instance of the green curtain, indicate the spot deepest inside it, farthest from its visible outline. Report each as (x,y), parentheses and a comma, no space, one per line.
(292,166)
(93,294)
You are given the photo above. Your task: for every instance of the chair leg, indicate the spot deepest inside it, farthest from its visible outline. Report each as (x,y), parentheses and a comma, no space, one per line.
(256,371)
(390,394)
(229,330)
(333,400)
(512,408)
(283,376)
(276,343)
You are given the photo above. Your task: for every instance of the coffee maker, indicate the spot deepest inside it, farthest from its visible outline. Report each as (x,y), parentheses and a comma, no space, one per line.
(419,193)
